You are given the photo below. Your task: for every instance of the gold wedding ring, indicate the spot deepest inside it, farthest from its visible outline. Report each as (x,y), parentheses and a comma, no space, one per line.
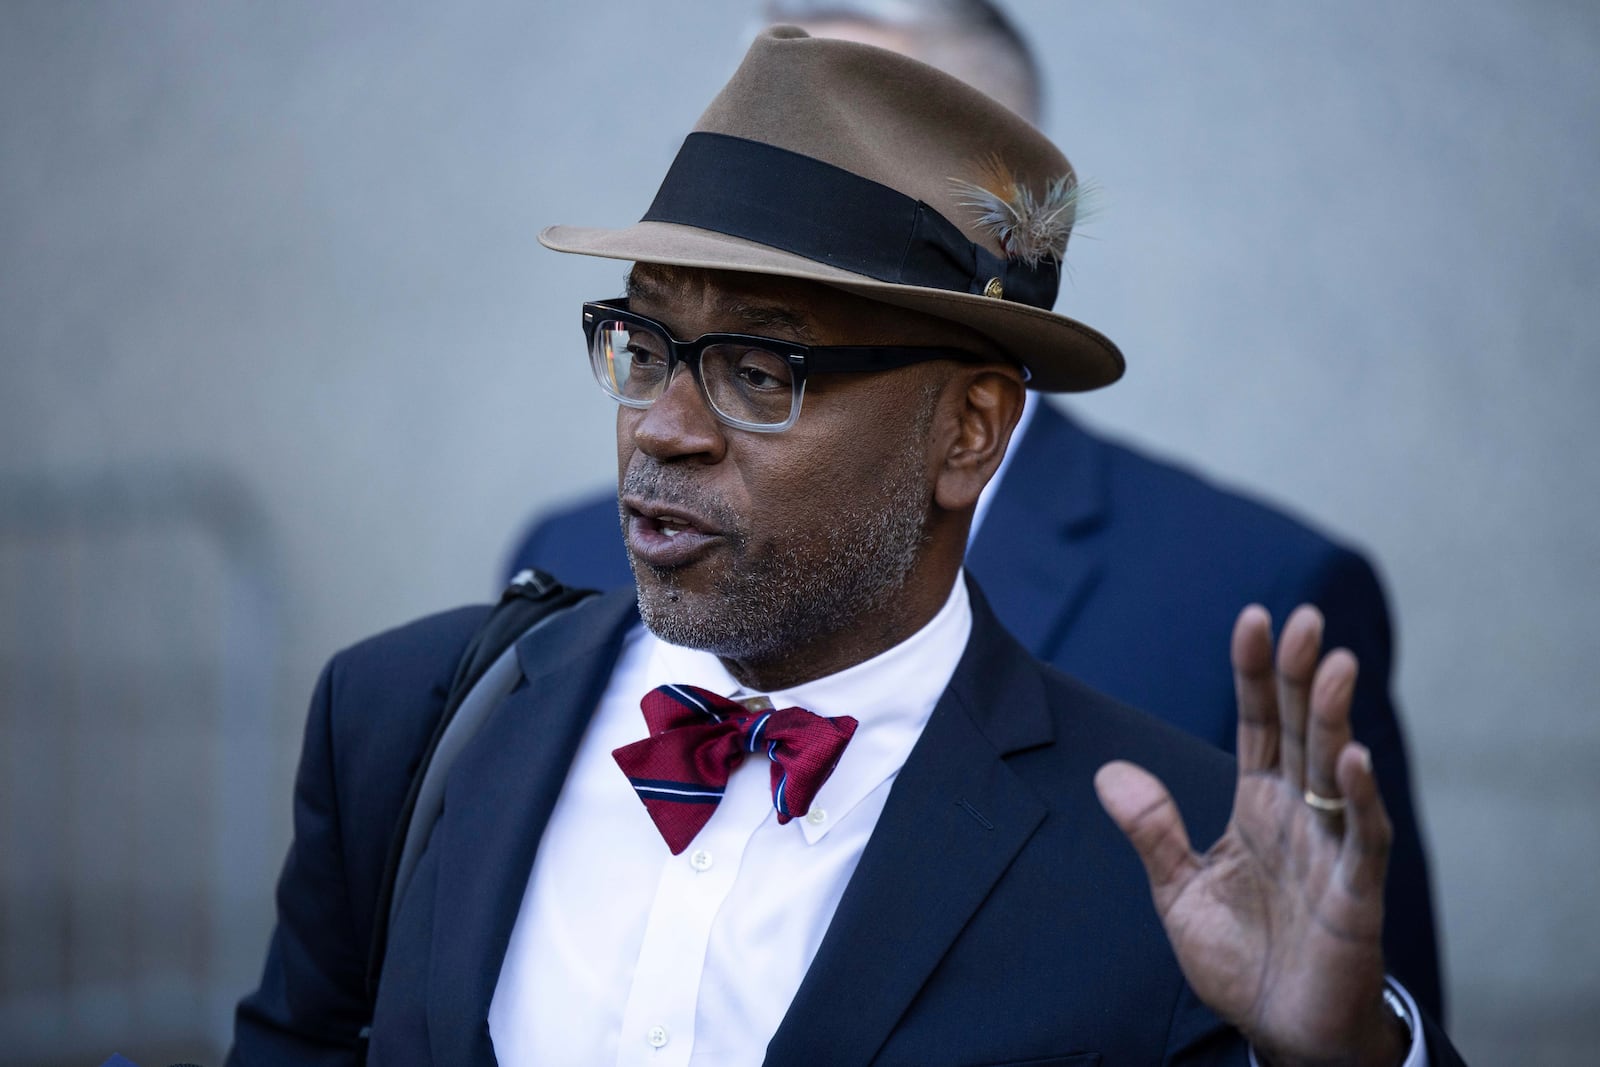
(1327,805)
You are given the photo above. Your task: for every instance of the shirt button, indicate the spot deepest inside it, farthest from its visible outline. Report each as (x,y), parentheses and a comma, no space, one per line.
(657,1036)
(816,816)
(700,860)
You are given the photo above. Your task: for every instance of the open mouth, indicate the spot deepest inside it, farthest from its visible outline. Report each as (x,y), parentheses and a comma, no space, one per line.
(666,537)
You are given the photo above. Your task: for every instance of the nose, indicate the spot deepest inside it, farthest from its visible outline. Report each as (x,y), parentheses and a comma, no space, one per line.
(679,425)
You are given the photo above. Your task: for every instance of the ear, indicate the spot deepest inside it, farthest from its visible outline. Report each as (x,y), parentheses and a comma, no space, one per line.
(980,408)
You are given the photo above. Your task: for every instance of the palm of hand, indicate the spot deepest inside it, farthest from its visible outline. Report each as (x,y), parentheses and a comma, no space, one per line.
(1272,904)
(1277,926)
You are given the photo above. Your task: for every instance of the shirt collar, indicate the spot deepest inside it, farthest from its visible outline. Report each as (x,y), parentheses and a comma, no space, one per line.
(891,697)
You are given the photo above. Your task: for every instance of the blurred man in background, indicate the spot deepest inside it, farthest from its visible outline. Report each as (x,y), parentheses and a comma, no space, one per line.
(1087,547)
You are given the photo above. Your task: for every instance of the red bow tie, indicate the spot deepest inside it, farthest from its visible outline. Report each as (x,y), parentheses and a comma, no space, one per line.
(696,740)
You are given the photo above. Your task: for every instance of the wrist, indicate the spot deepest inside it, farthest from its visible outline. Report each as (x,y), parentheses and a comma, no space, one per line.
(1384,1038)
(1396,1030)
(1391,1034)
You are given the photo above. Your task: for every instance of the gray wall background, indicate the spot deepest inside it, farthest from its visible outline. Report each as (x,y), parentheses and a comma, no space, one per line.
(286,251)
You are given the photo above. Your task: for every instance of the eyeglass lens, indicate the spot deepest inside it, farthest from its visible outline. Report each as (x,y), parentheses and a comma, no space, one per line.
(744,383)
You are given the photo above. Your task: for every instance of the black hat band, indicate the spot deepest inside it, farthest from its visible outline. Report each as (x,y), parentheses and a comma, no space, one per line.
(798,204)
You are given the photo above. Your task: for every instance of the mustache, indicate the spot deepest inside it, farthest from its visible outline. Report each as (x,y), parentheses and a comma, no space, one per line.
(676,487)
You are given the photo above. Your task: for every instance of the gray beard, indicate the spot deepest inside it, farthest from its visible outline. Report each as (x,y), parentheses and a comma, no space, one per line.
(766,604)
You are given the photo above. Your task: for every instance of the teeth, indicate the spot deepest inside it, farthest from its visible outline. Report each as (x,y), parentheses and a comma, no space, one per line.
(670,526)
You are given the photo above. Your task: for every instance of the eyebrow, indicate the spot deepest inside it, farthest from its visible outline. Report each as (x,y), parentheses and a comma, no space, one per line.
(641,286)
(749,316)
(759,318)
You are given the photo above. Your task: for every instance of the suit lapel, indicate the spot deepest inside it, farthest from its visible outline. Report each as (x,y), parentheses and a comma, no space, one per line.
(955,819)
(498,799)
(1030,554)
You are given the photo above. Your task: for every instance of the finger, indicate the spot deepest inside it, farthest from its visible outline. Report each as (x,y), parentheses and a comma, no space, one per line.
(1144,811)
(1253,687)
(1328,729)
(1367,831)
(1298,647)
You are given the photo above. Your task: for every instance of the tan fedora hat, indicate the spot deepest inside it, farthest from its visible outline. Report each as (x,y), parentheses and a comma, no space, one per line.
(871,172)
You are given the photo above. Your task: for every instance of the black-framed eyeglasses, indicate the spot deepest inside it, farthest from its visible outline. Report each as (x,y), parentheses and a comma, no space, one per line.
(752,383)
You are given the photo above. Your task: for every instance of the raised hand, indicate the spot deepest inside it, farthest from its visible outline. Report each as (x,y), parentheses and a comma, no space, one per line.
(1277,927)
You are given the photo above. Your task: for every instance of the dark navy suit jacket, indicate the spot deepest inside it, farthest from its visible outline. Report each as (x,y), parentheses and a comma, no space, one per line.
(1128,573)
(997,915)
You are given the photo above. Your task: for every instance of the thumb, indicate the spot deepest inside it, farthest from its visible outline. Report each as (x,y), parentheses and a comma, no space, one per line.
(1144,811)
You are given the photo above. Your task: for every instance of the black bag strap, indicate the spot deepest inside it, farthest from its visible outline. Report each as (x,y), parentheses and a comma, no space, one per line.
(531,598)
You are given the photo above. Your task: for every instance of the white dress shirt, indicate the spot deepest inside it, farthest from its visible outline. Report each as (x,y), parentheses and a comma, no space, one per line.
(624,953)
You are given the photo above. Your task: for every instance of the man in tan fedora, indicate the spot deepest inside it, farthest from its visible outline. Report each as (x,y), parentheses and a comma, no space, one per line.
(819,807)
(1085,545)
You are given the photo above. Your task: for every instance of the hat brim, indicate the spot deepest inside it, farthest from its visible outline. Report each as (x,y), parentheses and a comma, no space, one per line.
(1062,355)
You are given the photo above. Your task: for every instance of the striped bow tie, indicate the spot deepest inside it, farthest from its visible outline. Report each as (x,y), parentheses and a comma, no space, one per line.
(696,740)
